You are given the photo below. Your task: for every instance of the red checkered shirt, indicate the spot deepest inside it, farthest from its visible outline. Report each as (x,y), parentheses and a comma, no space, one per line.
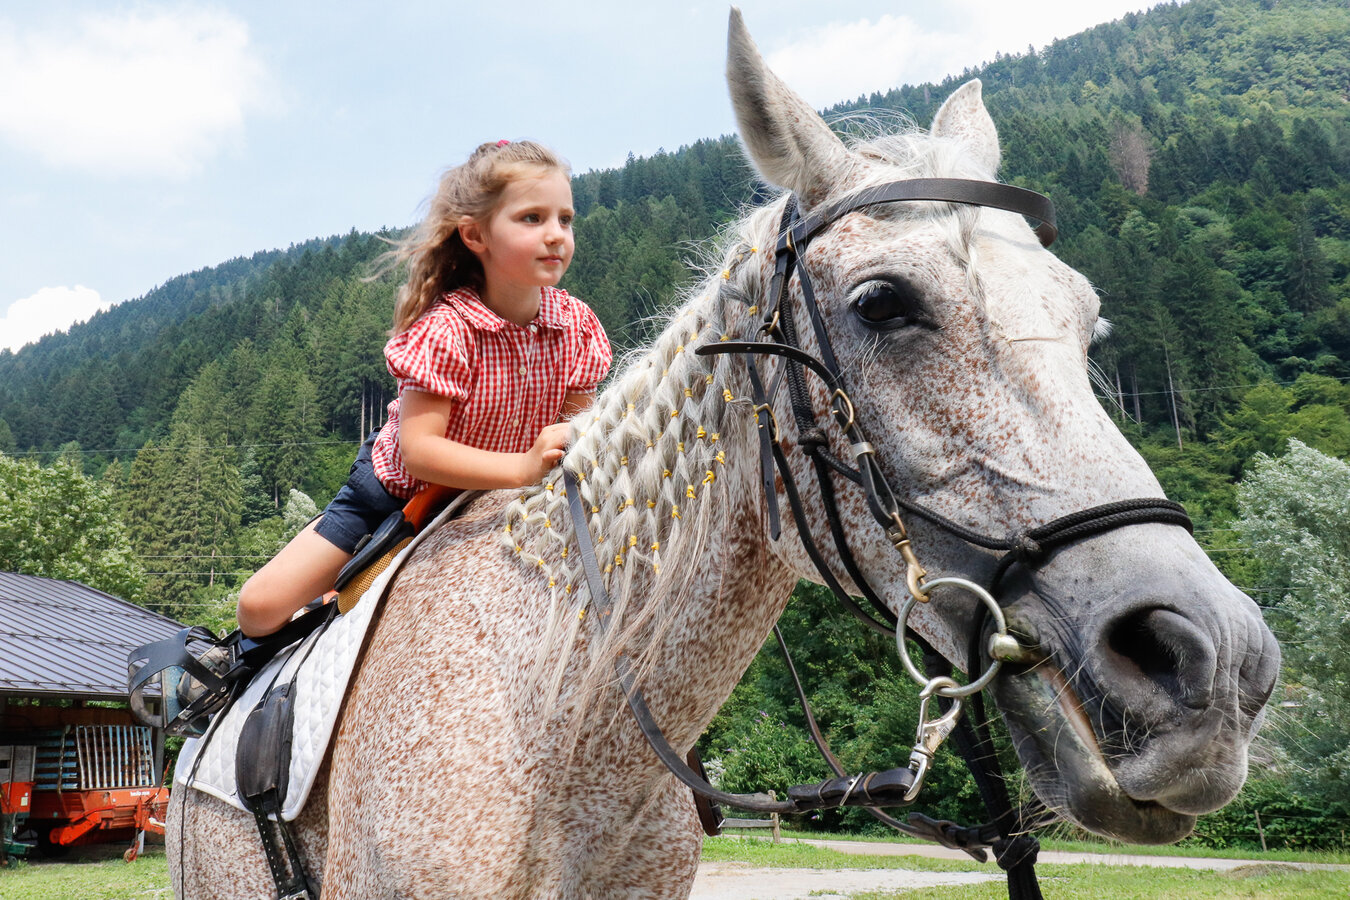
(508,381)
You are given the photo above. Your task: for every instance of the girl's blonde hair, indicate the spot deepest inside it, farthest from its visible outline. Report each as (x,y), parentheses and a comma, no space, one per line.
(437,259)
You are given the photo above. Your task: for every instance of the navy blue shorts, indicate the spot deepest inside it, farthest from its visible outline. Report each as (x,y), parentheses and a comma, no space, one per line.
(360,505)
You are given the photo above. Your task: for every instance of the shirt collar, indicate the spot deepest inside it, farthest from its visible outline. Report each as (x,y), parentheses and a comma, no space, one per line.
(552,309)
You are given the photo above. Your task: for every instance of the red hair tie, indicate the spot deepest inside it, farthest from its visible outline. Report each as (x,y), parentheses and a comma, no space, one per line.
(502,143)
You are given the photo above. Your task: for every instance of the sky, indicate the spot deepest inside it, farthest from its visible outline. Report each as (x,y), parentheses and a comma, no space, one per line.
(144,140)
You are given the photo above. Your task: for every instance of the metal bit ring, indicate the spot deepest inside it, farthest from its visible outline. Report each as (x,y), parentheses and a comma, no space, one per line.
(1000,626)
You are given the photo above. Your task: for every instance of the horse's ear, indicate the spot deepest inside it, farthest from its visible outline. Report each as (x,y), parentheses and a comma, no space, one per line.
(964,118)
(787,141)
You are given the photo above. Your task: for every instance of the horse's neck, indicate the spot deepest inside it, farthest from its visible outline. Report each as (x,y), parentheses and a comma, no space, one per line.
(669,463)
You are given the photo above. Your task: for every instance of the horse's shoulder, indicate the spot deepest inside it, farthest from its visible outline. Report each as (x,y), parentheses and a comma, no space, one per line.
(472,532)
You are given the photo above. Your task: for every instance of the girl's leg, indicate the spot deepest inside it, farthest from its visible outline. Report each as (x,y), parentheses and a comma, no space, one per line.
(305,568)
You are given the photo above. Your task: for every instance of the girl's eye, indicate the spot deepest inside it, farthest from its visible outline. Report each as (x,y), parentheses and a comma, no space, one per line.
(530,217)
(566,221)
(886,305)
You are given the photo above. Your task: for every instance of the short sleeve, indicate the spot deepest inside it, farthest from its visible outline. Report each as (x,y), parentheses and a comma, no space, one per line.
(593,356)
(434,355)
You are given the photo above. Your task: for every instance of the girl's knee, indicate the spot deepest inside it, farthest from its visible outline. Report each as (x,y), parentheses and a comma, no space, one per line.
(253,610)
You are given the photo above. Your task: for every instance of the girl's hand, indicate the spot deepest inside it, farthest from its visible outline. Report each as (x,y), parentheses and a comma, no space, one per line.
(548,449)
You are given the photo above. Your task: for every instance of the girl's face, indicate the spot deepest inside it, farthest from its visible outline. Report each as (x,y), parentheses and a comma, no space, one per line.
(526,242)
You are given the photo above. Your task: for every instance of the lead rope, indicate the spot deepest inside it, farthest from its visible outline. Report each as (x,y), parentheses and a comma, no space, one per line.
(1008,831)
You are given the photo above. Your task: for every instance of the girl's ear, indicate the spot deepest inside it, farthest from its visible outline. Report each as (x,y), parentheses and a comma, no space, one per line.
(471,233)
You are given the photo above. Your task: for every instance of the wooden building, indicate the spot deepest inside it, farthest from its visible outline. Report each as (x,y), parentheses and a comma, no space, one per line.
(97,773)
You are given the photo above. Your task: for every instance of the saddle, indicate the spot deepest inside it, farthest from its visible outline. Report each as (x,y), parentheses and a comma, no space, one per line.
(263,752)
(376,551)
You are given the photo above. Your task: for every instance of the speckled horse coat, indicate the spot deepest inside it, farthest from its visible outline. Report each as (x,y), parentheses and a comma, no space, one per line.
(484,751)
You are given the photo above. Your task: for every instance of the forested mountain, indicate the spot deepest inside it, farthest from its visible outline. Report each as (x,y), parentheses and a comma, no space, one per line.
(1199,158)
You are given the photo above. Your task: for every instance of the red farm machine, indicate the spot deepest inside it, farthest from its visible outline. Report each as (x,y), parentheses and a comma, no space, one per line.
(91,782)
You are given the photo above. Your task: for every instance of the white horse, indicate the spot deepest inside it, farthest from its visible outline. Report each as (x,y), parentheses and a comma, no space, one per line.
(485,750)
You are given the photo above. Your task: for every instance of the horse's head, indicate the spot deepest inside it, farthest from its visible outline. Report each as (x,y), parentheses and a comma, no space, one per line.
(964,345)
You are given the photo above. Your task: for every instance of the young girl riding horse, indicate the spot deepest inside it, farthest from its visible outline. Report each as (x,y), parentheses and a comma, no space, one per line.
(490,358)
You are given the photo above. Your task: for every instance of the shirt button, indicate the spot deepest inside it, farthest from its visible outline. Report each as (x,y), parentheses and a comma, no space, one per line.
(533,328)
(516,423)
(523,370)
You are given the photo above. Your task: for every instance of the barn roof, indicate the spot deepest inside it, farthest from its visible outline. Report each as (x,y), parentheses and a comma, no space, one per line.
(61,639)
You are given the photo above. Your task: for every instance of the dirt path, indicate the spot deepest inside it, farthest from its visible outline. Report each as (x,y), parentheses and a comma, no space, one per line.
(741,881)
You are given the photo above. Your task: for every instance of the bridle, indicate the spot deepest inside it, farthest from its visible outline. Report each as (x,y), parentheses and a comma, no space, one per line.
(779,336)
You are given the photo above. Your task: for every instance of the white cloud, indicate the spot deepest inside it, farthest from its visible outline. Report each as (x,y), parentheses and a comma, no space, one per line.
(50,309)
(142,91)
(843,60)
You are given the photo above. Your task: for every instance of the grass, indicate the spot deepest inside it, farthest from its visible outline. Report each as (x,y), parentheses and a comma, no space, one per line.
(104,876)
(1103,847)
(1334,857)
(95,877)
(1087,881)
(793,855)
(1098,882)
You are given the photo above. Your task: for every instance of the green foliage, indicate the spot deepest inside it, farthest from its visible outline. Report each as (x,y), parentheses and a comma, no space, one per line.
(1199,158)
(58,523)
(182,500)
(865,704)
(1296,517)
(1287,819)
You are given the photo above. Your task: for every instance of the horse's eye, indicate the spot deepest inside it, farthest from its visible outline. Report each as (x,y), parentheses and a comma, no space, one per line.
(887,305)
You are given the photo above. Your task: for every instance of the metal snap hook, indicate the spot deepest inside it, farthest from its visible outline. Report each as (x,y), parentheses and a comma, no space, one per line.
(1000,632)
(931,732)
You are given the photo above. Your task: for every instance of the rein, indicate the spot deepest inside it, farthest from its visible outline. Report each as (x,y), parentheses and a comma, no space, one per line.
(779,336)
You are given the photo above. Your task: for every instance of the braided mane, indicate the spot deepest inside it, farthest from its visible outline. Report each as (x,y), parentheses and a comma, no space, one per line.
(667,452)
(654,457)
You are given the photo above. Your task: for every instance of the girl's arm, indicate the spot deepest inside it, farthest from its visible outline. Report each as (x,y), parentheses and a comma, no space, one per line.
(430,456)
(575,403)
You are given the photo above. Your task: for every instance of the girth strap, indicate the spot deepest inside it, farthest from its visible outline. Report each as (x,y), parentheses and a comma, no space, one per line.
(262,770)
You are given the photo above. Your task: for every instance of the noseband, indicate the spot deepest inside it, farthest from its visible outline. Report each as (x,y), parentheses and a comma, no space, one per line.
(778,335)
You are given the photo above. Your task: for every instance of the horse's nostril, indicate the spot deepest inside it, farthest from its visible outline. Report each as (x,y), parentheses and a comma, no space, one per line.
(1168,650)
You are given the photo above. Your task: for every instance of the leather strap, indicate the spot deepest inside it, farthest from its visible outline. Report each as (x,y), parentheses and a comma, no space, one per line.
(768,433)
(951,190)
(871,789)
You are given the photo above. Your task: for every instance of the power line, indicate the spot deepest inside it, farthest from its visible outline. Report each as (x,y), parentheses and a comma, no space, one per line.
(216,574)
(1100,396)
(204,556)
(167,449)
(1222,387)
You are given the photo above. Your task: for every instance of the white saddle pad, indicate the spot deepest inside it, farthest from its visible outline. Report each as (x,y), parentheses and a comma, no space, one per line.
(324,672)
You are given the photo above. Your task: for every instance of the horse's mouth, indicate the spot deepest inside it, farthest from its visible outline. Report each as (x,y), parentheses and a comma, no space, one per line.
(1062,756)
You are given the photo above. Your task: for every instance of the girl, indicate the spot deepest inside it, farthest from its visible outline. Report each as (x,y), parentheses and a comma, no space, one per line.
(489,357)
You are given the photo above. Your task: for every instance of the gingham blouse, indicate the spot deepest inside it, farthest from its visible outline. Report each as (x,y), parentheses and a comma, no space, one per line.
(508,381)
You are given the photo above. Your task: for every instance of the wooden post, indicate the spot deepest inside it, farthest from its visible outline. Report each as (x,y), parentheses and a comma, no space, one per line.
(777,835)
(1261,831)
(1172,394)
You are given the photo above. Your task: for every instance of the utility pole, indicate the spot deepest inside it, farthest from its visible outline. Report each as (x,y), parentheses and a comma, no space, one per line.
(1172,394)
